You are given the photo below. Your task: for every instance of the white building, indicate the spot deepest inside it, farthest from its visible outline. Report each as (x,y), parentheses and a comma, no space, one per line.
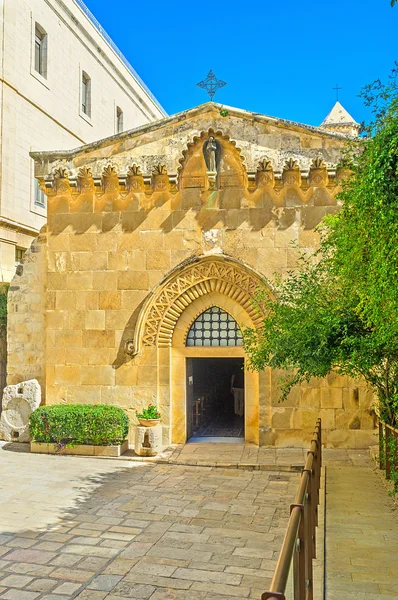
(62,79)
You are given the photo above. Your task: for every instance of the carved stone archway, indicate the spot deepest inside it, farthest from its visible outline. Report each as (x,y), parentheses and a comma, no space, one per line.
(185,284)
(171,308)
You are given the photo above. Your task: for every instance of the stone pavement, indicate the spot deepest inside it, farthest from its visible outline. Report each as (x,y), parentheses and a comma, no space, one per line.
(242,456)
(249,456)
(73,527)
(361,531)
(96,529)
(238,455)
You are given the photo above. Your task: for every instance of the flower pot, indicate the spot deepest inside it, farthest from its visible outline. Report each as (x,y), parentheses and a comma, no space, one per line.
(148,422)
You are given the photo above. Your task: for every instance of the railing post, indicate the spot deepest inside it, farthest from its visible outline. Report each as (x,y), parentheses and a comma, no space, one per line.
(309,525)
(315,481)
(299,558)
(388,451)
(382,454)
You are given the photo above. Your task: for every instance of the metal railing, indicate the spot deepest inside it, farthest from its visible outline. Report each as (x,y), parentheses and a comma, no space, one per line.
(299,544)
(388,449)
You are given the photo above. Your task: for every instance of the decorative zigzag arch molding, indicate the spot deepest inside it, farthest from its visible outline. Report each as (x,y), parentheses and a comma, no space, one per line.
(188,282)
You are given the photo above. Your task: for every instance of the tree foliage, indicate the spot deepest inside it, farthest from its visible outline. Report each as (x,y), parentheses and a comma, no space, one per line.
(339,310)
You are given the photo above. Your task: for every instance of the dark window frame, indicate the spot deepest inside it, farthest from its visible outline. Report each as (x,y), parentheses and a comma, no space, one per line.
(119,120)
(40,50)
(40,197)
(86,94)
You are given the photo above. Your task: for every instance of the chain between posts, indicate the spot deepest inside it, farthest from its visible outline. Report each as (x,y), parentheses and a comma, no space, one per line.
(299,544)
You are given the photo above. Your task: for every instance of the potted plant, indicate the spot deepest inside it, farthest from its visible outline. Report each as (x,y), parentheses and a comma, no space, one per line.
(149,417)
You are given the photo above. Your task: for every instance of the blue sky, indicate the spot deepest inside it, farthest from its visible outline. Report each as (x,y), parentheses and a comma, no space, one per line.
(278,58)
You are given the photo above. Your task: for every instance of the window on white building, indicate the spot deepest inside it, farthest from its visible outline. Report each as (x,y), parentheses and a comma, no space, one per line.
(119,120)
(86,94)
(19,252)
(40,50)
(40,197)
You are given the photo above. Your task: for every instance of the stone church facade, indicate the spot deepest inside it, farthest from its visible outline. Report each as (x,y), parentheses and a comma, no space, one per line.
(149,229)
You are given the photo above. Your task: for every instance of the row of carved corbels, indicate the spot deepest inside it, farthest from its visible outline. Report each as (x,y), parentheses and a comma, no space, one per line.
(111,181)
(318,175)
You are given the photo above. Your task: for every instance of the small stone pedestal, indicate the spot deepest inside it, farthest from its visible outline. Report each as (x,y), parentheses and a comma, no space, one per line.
(148,440)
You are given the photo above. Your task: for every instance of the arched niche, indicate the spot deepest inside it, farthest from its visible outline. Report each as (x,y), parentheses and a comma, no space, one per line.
(230,168)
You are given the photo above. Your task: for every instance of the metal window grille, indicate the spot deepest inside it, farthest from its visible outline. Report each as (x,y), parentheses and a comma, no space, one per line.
(214,327)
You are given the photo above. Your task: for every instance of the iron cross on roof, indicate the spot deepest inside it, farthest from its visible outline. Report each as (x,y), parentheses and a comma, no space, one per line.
(337,88)
(211,84)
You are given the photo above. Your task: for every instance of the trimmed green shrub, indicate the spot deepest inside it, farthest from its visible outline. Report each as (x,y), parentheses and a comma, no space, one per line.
(73,424)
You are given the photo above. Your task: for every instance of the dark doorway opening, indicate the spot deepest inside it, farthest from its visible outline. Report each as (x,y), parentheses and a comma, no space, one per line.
(215,398)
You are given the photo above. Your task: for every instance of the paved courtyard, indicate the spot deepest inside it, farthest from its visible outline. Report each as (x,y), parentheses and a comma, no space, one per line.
(85,528)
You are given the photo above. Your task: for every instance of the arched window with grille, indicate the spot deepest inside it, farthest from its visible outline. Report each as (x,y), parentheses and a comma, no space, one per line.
(214,327)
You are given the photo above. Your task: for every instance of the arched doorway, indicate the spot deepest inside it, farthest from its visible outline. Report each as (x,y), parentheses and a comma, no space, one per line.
(215,386)
(166,318)
(189,361)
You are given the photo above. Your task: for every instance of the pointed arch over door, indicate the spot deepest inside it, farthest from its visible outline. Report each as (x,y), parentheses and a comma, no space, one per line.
(184,285)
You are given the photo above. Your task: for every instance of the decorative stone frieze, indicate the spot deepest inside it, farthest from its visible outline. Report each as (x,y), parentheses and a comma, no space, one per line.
(265,174)
(135,180)
(291,173)
(318,175)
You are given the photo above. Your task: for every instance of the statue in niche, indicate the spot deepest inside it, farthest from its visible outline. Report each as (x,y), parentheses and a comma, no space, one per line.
(211,150)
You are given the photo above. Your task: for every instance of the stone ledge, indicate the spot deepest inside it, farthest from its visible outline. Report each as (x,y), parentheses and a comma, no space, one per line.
(82,449)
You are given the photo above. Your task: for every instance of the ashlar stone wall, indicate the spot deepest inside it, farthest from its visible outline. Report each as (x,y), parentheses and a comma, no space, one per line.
(130,219)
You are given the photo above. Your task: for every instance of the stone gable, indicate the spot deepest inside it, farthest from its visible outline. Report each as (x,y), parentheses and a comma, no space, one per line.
(142,237)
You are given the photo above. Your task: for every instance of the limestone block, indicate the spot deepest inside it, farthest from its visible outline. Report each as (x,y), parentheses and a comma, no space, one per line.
(310,397)
(332,398)
(281,418)
(95,319)
(130,280)
(19,401)
(109,300)
(158,260)
(148,440)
